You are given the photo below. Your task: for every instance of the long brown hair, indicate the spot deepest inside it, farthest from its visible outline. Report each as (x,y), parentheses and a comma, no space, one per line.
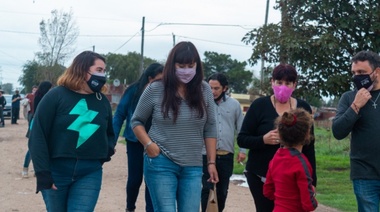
(75,75)
(182,53)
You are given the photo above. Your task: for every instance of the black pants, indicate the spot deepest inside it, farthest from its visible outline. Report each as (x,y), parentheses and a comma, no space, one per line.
(1,116)
(135,152)
(262,203)
(15,114)
(224,166)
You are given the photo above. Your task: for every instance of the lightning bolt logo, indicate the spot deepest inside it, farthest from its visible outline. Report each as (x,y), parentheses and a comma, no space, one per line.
(83,123)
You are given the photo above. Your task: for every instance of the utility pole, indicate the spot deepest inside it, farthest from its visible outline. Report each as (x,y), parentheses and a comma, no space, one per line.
(93,48)
(142,46)
(173,39)
(262,55)
(285,26)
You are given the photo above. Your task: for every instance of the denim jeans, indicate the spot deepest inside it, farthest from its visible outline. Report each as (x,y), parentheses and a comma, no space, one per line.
(135,154)
(78,185)
(367,195)
(224,165)
(172,187)
(27,159)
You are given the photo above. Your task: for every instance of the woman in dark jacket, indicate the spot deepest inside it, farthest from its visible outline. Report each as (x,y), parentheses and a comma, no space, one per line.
(261,138)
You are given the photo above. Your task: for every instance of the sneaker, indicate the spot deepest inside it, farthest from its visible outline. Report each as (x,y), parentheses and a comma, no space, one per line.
(25,173)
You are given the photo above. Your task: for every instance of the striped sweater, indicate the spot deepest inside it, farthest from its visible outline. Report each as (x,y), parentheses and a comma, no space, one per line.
(181,141)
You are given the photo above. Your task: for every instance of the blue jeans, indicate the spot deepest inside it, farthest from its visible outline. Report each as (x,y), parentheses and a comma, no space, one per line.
(27,159)
(78,183)
(173,187)
(224,166)
(367,194)
(135,154)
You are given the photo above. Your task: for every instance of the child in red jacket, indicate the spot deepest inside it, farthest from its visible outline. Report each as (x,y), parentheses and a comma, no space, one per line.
(289,177)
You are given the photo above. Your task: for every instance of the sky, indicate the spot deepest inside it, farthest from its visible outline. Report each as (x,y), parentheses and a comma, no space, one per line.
(114,26)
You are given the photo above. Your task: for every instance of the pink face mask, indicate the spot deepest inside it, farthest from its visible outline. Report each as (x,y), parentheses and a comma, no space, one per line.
(185,75)
(282,93)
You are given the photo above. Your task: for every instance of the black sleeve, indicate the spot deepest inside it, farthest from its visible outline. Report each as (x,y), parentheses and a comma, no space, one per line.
(309,150)
(38,140)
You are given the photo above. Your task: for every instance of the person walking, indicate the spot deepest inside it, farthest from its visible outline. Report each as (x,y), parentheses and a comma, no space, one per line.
(135,149)
(72,136)
(29,104)
(16,98)
(261,138)
(229,118)
(357,115)
(183,119)
(289,177)
(37,93)
(3,102)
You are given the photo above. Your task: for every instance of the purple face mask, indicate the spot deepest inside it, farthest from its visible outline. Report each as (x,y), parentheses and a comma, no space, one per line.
(282,93)
(185,75)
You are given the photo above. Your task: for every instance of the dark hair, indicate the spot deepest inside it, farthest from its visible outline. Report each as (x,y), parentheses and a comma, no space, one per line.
(42,89)
(284,72)
(294,127)
(372,58)
(151,72)
(183,53)
(75,74)
(220,77)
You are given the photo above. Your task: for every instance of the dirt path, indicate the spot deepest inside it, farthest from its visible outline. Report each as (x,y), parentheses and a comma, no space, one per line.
(18,194)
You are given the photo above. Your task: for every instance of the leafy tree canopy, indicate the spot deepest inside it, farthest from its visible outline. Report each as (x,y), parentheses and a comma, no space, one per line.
(125,67)
(318,37)
(238,78)
(29,76)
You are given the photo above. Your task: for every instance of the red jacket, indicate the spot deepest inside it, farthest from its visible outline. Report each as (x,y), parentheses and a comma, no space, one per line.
(289,182)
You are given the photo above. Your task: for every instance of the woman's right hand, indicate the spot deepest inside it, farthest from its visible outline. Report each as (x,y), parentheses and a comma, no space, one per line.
(153,150)
(272,137)
(54,187)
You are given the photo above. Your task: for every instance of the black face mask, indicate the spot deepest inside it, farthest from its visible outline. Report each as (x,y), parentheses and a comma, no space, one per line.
(363,81)
(222,95)
(96,82)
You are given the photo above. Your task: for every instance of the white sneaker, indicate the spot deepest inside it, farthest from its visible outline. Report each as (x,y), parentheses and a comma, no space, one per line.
(25,173)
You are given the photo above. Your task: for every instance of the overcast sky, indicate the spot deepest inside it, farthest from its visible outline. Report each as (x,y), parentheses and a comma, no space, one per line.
(115,26)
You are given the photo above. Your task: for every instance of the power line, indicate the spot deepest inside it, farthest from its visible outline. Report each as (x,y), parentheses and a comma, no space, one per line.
(213,25)
(210,41)
(127,41)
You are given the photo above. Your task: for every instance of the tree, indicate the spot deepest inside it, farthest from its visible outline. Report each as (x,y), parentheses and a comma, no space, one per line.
(125,67)
(238,77)
(7,88)
(319,38)
(262,88)
(34,73)
(29,76)
(58,35)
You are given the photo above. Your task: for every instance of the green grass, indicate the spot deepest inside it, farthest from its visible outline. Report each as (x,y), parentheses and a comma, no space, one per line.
(334,187)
